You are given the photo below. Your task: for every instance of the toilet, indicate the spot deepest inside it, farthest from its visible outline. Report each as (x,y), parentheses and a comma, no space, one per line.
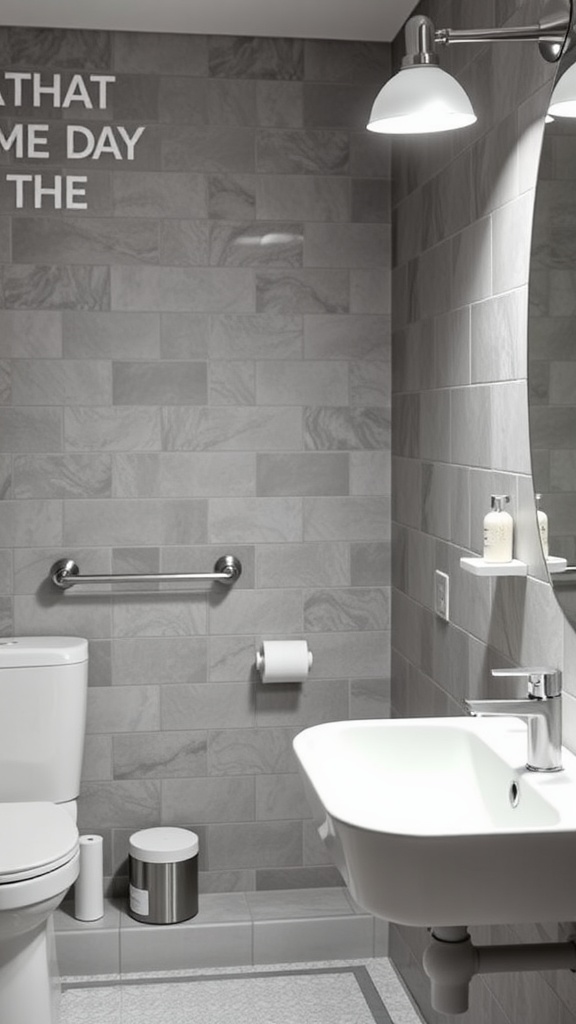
(43,685)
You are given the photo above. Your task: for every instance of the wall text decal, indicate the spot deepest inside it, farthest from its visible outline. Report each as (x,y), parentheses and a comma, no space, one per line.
(31,141)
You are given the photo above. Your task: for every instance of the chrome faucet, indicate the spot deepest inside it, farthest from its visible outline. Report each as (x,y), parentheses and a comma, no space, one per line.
(542,709)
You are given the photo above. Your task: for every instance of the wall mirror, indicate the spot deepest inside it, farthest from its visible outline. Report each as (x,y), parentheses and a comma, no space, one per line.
(552,349)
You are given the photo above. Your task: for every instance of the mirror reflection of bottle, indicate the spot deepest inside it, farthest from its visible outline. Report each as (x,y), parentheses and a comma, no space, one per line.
(498,531)
(542,525)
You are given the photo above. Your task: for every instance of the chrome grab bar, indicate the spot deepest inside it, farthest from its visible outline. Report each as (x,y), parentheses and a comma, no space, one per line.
(66,573)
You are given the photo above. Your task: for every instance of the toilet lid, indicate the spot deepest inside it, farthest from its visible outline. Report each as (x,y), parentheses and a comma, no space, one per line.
(34,838)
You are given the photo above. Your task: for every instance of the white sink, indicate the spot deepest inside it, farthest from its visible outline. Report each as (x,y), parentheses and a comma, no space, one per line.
(436,821)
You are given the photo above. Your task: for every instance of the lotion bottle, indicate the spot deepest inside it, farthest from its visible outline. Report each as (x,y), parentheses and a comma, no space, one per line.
(542,525)
(498,531)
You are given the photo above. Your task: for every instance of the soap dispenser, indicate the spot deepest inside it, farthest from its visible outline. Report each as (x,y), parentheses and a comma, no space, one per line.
(542,525)
(498,531)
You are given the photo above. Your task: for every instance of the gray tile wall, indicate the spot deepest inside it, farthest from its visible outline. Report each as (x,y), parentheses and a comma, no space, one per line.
(200,363)
(463,209)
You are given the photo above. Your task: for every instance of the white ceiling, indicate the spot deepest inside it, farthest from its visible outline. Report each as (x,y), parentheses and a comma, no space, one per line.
(311,19)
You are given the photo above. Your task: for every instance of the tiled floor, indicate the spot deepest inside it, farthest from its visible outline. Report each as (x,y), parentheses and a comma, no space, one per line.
(340,992)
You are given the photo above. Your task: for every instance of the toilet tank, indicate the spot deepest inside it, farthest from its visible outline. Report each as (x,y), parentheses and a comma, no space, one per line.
(43,684)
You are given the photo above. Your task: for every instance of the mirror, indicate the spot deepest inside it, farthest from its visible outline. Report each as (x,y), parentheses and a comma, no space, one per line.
(552,350)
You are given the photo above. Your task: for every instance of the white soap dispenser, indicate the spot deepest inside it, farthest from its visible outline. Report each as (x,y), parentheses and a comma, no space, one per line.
(542,525)
(498,531)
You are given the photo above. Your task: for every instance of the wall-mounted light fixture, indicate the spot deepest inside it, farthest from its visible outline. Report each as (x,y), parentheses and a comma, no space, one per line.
(423,98)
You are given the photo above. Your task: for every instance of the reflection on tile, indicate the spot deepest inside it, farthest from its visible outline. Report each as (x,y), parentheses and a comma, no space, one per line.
(256,243)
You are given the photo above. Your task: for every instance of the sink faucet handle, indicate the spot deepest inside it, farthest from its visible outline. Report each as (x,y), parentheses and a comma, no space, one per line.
(542,682)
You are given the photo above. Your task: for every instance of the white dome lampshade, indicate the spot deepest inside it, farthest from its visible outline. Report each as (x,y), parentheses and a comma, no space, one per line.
(563,102)
(420,99)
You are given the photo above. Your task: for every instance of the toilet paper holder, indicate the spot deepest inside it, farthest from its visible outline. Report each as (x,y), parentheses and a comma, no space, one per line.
(284,661)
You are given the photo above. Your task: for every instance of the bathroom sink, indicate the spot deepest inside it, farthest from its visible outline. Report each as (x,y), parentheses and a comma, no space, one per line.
(437,821)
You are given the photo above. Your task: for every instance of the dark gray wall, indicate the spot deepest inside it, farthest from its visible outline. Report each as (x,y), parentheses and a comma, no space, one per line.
(199,363)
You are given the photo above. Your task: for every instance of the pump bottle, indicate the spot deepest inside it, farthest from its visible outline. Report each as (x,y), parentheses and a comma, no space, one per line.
(498,531)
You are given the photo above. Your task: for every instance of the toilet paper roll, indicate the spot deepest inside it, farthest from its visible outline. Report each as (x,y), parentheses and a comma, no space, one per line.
(284,661)
(89,888)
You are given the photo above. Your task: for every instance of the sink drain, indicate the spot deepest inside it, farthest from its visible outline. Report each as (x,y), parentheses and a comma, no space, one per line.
(514,794)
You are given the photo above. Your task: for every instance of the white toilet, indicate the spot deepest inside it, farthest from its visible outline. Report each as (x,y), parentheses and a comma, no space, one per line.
(43,683)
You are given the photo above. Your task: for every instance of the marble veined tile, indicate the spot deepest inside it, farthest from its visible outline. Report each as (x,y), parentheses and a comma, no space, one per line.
(332,60)
(51,287)
(250,751)
(30,430)
(30,334)
(347,609)
(302,291)
(60,48)
(312,197)
(93,335)
(180,289)
(120,428)
(159,660)
(231,102)
(158,194)
(347,337)
(84,240)
(279,104)
(231,196)
(184,243)
(340,428)
(161,53)
(159,383)
(208,149)
(232,382)
(302,151)
(159,755)
(260,336)
(232,429)
(61,382)
(183,100)
(248,57)
(305,382)
(63,476)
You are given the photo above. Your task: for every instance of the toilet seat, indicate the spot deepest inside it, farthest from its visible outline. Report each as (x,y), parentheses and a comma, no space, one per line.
(35,838)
